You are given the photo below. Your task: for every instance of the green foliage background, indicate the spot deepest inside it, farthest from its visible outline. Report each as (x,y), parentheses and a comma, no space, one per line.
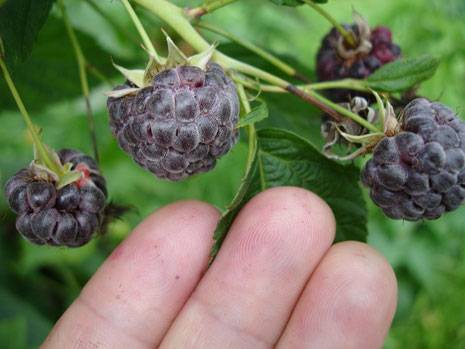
(37,284)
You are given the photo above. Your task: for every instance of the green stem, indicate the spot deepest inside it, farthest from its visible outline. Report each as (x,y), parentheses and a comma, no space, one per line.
(278,63)
(251,127)
(175,17)
(143,34)
(42,152)
(82,63)
(198,12)
(348,37)
(352,84)
(345,112)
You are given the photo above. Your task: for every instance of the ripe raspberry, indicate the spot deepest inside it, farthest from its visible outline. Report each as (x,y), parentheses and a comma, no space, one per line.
(180,124)
(60,217)
(332,64)
(420,172)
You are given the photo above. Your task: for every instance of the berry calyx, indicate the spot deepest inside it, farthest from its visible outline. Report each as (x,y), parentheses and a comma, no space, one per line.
(419,173)
(336,61)
(57,215)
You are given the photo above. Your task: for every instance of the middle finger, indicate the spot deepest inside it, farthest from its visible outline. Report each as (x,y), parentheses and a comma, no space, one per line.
(247,296)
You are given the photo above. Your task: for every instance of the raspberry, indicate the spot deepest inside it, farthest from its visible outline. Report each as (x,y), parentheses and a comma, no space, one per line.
(60,217)
(180,124)
(331,65)
(420,172)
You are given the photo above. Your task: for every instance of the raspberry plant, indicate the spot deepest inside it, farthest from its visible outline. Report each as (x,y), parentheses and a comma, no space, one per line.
(181,113)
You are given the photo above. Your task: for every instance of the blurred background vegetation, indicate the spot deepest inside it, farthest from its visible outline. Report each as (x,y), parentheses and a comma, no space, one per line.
(37,283)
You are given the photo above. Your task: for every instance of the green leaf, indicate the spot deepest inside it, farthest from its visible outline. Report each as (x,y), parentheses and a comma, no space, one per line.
(50,74)
(258,113)
(37,325)
(13,333)
(285,159)
(294,3)
(20,23)
(403,74)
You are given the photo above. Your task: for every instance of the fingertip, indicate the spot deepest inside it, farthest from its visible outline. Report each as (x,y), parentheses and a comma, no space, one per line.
(370,295)
(301,214)
(349,302)
(182,212)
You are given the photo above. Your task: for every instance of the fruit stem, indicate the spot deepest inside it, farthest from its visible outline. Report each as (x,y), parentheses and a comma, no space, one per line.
(176,18)
(278,63)
(353,84)
(82,63)
(251,128)
(143,34)
(348,37)
(197,12)
(42,152)
(345,112)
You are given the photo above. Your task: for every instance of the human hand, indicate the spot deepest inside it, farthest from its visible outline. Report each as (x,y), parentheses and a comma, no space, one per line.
(277,282)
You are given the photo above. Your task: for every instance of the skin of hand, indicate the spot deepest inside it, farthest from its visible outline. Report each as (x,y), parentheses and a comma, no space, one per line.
(278,282)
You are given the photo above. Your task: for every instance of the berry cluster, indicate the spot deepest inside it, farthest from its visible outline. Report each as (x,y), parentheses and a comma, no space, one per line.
(180,124)
(420,172)
(335,60)
(60,217)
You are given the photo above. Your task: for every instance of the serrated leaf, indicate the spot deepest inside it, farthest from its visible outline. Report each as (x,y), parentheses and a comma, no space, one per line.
(259,113)
(136,76)
(403,74)
(20,23)
(285,159)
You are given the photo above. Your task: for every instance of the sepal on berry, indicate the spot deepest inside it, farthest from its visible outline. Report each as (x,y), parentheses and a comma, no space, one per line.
(143,78)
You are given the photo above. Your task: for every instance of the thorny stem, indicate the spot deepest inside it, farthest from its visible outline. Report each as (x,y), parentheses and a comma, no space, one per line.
(143,34)
(175,17)
(198,12)
(39,146)
(82,64)
(283,66)
(348,37)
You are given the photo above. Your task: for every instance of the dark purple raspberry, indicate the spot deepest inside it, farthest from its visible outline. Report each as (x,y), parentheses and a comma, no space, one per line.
(420,172)
(180,124)
(59,217)
(331,65)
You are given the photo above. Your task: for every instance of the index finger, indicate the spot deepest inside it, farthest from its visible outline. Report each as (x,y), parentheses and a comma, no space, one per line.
(135,295)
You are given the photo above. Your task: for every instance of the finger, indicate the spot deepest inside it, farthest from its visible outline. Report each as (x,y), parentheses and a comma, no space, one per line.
(348,303)
(246,297)
(135,295)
